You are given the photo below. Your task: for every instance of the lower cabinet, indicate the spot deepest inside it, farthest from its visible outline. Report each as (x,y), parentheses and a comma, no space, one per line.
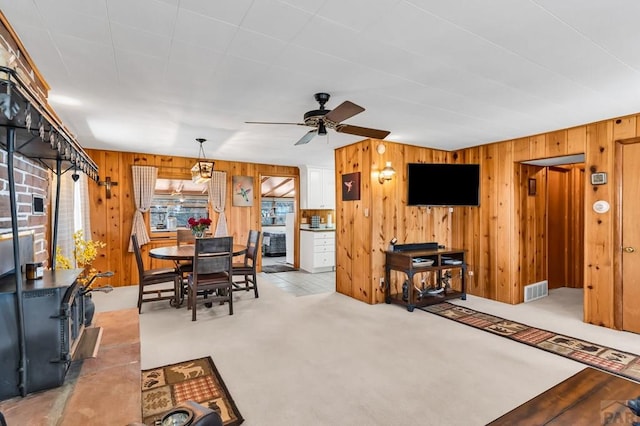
(317,251)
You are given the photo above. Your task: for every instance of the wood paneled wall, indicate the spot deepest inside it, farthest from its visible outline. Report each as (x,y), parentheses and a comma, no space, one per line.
(505,237)
(111,218)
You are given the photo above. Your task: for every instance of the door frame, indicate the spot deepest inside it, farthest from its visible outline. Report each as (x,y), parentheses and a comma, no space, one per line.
(296,215)
(617,234)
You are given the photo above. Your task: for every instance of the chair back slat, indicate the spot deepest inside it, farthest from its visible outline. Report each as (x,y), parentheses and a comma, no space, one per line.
(136,251)
(253,243)
(185,236)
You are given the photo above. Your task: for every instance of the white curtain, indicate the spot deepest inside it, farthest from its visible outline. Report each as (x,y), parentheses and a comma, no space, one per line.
(144,183)
(74,211)
(217,200)
(82,206)
(66,223)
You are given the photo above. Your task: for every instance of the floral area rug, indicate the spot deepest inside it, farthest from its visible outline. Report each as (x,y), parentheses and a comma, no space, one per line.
(196,380)
(617,362)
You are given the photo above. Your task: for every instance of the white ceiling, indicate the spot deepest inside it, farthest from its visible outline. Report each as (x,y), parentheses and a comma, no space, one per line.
(154,75)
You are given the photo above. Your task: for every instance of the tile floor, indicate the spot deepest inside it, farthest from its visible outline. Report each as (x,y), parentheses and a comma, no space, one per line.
(300,283)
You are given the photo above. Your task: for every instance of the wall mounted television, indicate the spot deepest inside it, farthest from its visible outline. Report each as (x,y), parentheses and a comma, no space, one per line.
(431,184)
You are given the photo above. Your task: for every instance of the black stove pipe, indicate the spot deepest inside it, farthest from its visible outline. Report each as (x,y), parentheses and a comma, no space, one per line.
(54,239)
(22,370)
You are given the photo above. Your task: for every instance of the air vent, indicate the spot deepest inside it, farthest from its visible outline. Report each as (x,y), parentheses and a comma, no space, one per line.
(536,291)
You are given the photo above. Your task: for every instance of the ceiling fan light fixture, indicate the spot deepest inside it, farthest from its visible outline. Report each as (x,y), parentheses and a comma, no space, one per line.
(202,170)
(322,130)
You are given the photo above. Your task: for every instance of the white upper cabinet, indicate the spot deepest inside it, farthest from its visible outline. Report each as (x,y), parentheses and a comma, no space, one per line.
(317,188)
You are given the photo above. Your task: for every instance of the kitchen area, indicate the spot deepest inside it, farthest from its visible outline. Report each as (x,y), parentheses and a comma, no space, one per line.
(316,218)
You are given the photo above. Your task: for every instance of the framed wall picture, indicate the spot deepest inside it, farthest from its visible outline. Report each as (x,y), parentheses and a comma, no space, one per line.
(242,191)
(532,186)
(351,186)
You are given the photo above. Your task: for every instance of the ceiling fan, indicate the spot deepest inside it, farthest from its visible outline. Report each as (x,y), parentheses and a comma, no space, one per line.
(323,119)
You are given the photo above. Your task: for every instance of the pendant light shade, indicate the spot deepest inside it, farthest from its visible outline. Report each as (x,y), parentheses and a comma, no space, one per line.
(202,171)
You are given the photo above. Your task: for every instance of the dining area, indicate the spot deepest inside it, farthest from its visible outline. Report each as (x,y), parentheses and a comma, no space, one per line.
(200,270)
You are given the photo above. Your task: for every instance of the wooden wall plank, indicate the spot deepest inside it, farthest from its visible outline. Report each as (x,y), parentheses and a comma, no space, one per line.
(537,146)
(625,127)
(556,144)
(598,302)
(576,140)
(505,279)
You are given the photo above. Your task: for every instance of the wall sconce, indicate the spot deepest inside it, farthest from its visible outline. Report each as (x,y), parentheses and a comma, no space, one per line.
(387,173)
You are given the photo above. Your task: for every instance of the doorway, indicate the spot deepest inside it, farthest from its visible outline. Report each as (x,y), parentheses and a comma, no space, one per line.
(553,226)
(565,226)
(279,213)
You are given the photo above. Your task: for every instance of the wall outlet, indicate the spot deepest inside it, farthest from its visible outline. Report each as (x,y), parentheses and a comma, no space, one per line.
(381,282)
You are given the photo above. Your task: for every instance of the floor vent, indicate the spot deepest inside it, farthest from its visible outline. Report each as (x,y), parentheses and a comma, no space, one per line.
(536,291)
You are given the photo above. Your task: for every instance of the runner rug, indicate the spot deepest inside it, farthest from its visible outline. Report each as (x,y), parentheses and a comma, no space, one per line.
(196,380)
(617,362)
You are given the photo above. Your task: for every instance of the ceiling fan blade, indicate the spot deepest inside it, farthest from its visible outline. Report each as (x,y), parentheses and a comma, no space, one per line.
(273,122)
(343,111)
(306,138)
(362,131)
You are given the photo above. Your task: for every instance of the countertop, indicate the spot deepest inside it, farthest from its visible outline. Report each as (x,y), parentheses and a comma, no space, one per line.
(323,229)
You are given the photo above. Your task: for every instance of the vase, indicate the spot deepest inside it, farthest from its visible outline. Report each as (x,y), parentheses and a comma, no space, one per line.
(198,234)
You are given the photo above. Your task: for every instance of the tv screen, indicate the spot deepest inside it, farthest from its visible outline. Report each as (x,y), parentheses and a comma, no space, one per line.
(432,184)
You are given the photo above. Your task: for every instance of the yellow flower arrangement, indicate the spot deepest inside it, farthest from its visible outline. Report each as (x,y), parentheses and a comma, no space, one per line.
(84,253)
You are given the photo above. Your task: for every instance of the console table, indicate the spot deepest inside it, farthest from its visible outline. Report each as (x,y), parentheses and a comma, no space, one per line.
(413,262)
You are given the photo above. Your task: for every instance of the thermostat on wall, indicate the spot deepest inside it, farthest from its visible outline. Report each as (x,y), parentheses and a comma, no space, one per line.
(599,178)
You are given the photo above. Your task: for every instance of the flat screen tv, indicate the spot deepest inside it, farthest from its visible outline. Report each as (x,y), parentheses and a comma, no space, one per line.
(431,184)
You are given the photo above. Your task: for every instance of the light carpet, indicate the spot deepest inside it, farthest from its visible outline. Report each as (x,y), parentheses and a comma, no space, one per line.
(330,359)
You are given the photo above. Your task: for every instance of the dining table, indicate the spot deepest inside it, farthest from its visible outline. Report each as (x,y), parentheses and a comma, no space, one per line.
(185,252)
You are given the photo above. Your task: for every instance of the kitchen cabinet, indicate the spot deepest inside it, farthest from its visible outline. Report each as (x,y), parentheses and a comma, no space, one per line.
(317,251)
(317,188)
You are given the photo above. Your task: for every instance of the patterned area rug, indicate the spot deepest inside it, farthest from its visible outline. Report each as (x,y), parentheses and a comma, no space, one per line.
(617,362)
(196,380)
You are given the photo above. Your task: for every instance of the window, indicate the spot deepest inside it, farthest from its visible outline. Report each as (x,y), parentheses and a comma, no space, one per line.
(174,202)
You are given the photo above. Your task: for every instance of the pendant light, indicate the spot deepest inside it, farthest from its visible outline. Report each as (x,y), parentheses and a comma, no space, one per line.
(202,171)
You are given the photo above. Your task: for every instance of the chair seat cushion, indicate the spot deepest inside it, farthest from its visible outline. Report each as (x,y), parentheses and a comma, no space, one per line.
(241,269)
(159,271)
(209,279)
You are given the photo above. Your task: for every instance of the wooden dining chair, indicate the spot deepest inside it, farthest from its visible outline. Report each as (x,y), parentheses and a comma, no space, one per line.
(247,269)
(150,280)
(212,273)
(185,236)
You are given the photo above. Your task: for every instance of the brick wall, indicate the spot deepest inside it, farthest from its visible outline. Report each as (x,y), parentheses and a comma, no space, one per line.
(30,178)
